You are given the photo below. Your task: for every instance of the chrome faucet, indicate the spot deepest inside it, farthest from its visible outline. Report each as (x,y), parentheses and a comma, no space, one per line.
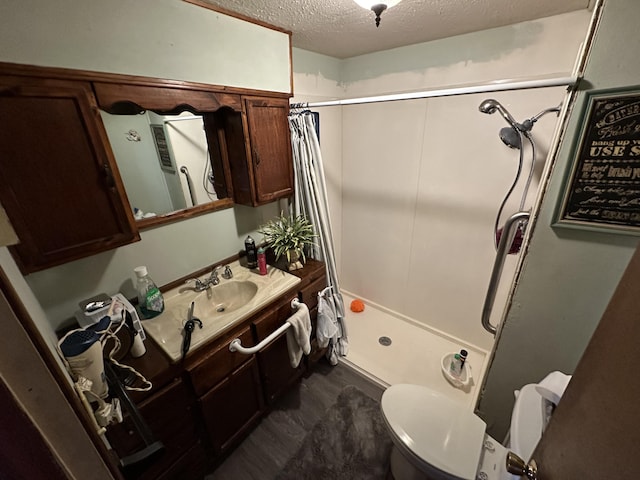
(201,286)
(198,286)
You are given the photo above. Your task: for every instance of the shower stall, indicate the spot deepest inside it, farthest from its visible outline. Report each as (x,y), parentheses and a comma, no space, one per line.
(423,204)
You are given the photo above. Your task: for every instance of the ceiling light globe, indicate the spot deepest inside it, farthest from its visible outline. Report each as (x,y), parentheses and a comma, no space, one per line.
(370,3)
(377,6)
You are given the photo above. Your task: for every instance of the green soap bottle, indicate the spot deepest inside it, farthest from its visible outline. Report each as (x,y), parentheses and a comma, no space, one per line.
(150,299)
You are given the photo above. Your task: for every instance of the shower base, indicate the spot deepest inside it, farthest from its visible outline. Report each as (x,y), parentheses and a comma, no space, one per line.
(390,348)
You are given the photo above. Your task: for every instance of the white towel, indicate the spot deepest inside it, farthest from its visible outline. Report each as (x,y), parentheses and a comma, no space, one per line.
(299,334)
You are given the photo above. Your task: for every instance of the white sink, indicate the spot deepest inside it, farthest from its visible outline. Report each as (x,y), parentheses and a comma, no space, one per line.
(219,308)
(226,297)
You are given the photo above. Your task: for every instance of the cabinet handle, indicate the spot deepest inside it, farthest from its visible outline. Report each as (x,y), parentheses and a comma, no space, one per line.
(256,157)
(108,176)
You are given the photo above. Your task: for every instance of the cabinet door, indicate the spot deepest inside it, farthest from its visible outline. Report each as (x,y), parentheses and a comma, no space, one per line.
(275,367)
(232,407)
(257,143)
(270,148)
(58,179)
(170,416)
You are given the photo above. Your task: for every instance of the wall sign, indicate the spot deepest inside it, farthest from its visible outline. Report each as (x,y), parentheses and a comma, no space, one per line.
(603,188)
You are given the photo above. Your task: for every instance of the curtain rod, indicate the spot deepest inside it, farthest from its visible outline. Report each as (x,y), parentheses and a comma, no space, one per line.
(495,86)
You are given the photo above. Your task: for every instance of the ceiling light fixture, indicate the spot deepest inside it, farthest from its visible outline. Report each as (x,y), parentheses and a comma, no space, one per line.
(377,7)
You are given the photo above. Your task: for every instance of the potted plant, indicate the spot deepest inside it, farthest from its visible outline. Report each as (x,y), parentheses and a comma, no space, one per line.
(289,235)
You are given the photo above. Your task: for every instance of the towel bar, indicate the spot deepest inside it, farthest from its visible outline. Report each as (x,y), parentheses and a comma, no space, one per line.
(236,343)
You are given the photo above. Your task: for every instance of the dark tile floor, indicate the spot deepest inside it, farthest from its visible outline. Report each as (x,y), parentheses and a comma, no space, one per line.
(279,435)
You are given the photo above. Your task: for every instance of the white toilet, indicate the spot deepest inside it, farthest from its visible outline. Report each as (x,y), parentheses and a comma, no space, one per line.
(437,438)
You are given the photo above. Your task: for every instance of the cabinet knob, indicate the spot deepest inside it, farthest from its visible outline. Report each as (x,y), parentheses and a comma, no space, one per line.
(108,176)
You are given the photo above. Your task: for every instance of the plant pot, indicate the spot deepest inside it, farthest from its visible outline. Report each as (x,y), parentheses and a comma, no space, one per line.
(294,260)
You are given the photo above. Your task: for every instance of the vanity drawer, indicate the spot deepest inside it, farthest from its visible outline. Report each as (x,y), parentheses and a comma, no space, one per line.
(267,323)
(309,294)
(217,365)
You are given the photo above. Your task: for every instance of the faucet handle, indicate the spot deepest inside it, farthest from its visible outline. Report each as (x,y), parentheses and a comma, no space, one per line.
(199,286)
(213,278)
(227,274)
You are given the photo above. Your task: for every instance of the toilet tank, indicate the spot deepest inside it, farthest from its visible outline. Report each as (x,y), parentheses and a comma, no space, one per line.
(528,419)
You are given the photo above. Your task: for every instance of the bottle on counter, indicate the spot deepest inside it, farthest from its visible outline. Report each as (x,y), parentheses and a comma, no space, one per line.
(455,368)
(463,358)
(262,261)
(150,299)
(252,254)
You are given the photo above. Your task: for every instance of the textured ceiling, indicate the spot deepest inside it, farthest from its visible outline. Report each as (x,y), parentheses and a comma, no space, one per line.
(342,29)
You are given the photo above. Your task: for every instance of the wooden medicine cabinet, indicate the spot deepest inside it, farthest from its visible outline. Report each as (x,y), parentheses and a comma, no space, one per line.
(74,179)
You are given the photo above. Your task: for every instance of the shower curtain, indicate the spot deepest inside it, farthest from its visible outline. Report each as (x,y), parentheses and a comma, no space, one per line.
(310,200)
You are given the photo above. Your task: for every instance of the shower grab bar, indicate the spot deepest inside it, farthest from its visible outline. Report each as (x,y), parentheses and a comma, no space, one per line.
(192,193)
(508,234)
(236,343)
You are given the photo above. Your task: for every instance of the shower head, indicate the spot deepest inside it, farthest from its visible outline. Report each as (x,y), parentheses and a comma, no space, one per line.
(491,106)
(511,137)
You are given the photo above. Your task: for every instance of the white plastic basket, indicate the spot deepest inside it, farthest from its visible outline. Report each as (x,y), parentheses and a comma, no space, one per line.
(459,382)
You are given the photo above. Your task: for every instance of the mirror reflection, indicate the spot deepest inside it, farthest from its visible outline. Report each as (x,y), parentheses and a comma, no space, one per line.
(163,160)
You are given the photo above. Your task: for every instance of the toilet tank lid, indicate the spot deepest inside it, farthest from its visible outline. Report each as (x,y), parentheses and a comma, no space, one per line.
(442,432)
(527,421)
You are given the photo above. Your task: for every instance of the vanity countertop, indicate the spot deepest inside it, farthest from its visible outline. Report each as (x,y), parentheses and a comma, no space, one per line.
(220,307)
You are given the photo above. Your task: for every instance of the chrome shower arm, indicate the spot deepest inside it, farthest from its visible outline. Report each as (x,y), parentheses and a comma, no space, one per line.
(527,125)
(555,110)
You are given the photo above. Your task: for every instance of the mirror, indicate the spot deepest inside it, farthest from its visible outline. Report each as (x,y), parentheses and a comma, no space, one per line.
(164,162)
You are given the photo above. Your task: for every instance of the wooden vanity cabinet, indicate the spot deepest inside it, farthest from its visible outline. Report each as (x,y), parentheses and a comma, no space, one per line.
(276,371)
(59,183)
(203,407)
(233,407)
(258,143)
(228,388)
(171,416)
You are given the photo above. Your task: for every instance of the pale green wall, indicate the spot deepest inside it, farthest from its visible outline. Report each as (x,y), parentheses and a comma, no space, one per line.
(154,38)
(569,275)
(169,252)
(528,49)
(157,38)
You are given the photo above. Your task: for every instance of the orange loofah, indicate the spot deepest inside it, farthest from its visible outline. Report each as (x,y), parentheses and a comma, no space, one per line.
(357,306)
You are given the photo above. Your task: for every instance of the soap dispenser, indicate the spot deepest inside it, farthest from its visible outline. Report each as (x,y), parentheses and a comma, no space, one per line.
(150,300)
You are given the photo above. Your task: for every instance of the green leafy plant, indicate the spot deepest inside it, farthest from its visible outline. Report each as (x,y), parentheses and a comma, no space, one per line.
(288,234)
